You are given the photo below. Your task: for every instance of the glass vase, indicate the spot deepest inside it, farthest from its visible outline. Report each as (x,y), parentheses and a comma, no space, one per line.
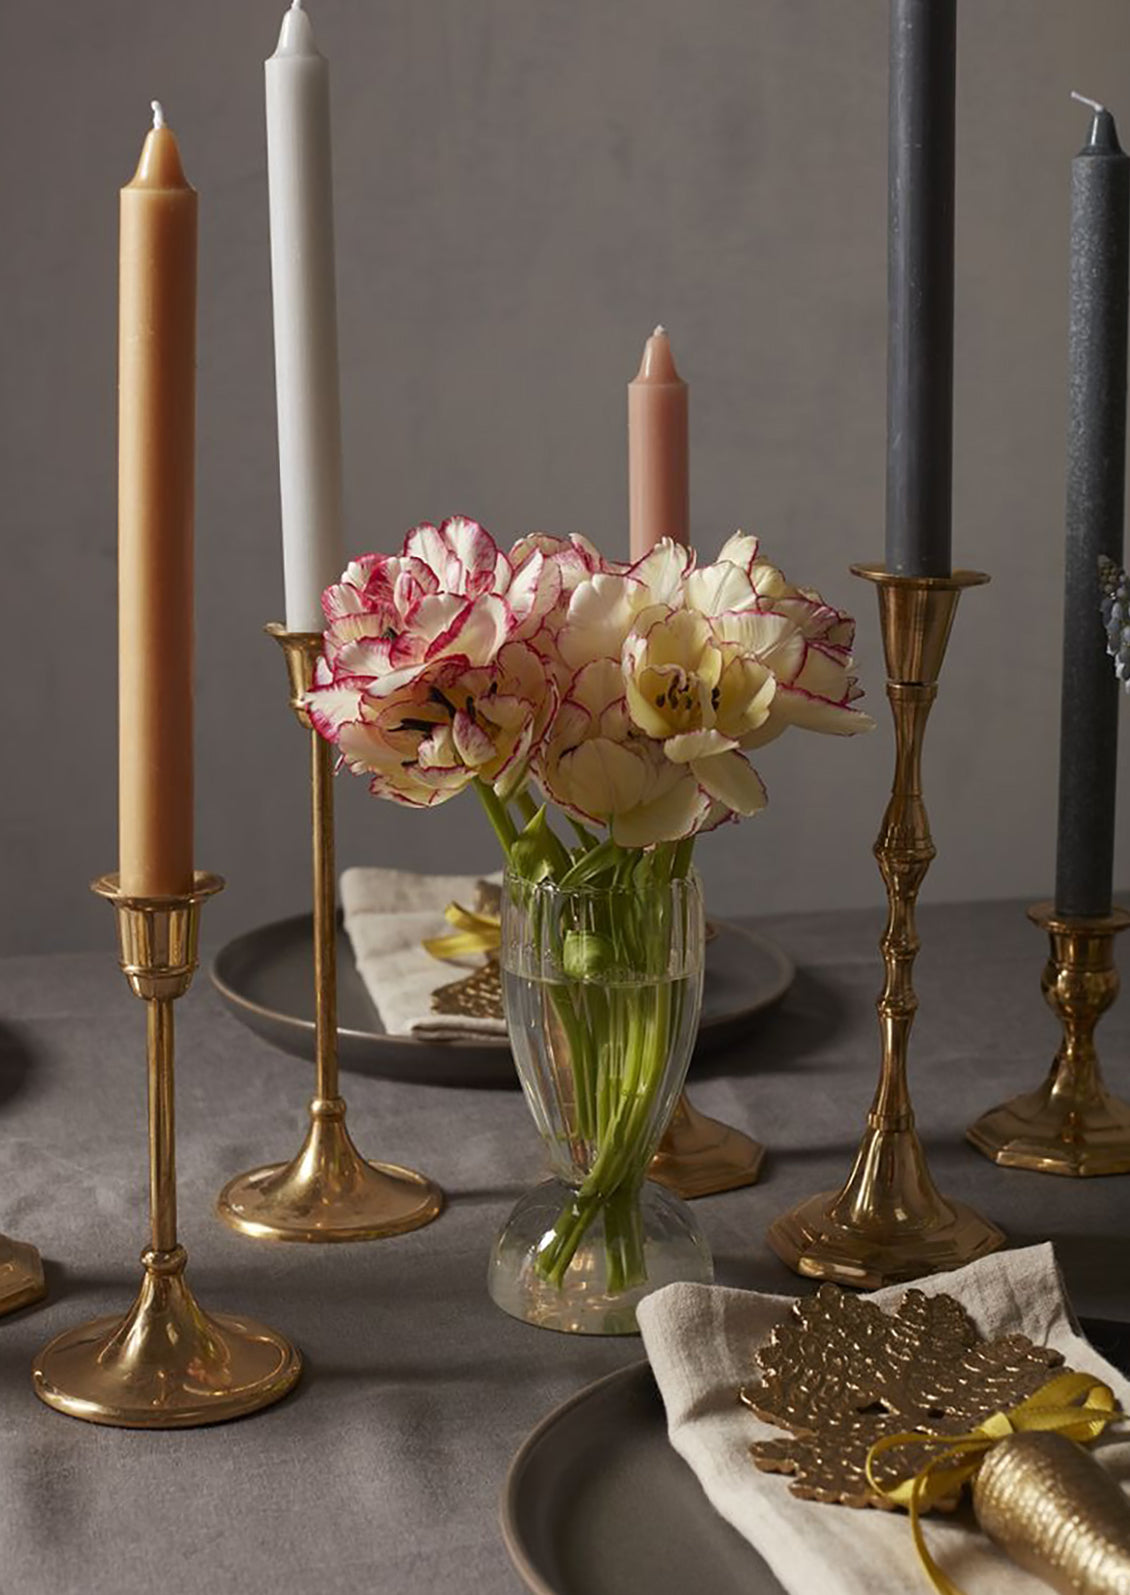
(602,988)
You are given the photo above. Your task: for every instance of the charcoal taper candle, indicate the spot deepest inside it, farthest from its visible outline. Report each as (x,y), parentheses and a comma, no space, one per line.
(1096,476)
(920,286)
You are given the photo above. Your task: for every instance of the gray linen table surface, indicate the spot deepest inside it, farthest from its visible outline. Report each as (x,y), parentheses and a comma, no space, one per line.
(383,1470)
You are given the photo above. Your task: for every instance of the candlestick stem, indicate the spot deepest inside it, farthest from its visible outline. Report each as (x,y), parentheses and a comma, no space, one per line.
(889,1222)
(167,1364)
(328,1191)
(325,915)
(1071,1124)
(162,1126)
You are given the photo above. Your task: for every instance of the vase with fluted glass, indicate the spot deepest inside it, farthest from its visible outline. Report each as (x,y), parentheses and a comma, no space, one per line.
(602,986)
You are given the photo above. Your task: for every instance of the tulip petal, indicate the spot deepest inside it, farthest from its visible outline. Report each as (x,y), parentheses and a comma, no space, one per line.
(661,570)
(472,743)
(697,745)
(741,550)
(732,781)
(716,588)
(604,777)
(676,814)
(810,713)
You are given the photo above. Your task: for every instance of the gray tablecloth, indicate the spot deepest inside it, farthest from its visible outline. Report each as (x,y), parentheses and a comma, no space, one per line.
(383,1471)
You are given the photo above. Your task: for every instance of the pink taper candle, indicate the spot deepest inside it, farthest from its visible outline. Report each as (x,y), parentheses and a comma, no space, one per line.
(658,470)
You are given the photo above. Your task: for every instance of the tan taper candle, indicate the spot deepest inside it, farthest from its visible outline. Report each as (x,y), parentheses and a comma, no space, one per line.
(658,467)
(156,460)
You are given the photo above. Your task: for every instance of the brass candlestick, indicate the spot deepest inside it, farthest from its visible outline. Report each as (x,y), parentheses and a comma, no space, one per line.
(699,1156)
(1071,1124)
(328,1192)
(166,1364)
(889,1222)
(21,1276)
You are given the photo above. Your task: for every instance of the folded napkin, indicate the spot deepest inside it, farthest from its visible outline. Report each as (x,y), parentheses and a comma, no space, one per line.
(388,913)
(701,1341)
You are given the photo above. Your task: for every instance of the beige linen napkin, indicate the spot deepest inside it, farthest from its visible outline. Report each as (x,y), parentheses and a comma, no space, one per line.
(701,1341)
(388,913)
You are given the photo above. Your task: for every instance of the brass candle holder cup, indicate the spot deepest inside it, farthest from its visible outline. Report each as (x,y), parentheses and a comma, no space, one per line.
(21,1276)
(328,1192)
(889,1222)
(1071,1124)
(699,1156)
(167,1364)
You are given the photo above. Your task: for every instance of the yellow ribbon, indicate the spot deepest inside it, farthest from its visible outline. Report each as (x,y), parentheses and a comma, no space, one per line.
(473,933)
(1076,1405)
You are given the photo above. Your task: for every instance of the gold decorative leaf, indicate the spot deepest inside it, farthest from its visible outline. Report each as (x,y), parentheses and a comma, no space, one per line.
(478,994)
(840,1374)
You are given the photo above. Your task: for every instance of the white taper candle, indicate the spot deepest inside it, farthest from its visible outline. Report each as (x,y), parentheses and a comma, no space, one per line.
(305,303)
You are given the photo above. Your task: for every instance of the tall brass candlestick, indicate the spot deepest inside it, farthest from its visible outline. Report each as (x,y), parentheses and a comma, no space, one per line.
(166,1364)
(328,1192)
(1071,1124)
(889,1222)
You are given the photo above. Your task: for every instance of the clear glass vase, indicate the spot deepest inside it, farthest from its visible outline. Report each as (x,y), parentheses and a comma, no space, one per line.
(602,988)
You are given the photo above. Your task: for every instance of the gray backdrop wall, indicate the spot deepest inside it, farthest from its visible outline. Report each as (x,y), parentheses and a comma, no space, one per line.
(523,189)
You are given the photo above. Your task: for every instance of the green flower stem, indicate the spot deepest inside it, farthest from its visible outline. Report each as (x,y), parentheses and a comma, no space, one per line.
(525,805)
(501,823)
(612,1184)
(618,1037)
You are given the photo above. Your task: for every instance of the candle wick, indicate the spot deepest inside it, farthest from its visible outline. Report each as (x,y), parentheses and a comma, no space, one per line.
(1094,104)
(158,113)
(660,331)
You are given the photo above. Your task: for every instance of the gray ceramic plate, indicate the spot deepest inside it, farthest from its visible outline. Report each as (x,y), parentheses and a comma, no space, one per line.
(266,978)
(597,1503)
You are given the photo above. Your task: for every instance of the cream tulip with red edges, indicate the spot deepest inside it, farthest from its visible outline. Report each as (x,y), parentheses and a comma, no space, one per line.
(631,694)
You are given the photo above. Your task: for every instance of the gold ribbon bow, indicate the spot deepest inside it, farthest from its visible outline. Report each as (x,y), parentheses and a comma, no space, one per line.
(473,933)
(1076,1405)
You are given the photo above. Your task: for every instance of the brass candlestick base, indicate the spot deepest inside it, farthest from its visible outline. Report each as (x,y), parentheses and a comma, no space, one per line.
(21,1276)
(328,1192)
(1071,1125)
(699,1156)
(889,1222)
(166,1364)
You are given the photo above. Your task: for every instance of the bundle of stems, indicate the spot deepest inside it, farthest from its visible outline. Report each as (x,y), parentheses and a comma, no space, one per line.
(617,1008)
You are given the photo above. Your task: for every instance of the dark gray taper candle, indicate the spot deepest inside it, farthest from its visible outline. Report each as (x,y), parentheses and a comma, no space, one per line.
(920,286)
(1096,474)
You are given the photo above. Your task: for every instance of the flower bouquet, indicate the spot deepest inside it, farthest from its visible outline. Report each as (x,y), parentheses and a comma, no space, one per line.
(627,697)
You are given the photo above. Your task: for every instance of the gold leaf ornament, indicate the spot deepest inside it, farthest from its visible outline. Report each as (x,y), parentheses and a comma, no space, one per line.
(840,1374)
(906,1408)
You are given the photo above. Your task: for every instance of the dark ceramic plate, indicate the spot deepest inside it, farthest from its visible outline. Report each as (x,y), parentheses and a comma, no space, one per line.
(597,1503)
(266,978)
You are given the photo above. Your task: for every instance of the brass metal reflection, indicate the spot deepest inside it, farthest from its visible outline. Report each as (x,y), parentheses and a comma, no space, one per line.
(21,1276)
(699,1156)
